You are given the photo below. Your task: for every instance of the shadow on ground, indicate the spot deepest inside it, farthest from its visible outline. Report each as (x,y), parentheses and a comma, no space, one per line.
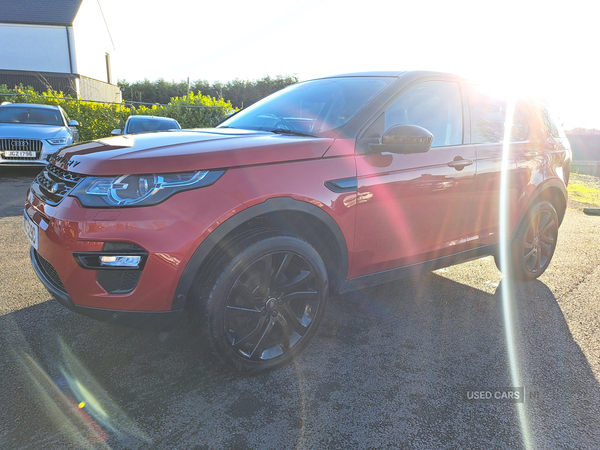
(12,178)
(391,367)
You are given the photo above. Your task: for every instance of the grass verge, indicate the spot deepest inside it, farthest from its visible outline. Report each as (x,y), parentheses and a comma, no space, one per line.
(584,191)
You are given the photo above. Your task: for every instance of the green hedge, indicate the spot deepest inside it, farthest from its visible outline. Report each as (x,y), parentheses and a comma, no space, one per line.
(97,120)
(191,111)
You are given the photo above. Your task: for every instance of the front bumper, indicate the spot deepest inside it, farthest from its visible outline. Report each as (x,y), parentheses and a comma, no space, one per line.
(166,235)
(41,158)
(137,319)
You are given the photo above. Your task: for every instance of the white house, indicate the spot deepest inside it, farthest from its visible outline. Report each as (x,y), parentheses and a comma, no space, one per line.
(38,48)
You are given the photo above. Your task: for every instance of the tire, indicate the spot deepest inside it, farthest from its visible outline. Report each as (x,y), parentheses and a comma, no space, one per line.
(533,244)
(265,302)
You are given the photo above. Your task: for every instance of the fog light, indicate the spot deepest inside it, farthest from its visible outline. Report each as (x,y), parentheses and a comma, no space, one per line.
(120,261)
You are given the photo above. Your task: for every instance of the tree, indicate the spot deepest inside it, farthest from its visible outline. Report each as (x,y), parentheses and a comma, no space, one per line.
(240,93)
(580,130)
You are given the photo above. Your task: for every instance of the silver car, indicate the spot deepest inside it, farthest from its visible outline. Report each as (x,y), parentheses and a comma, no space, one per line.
(30,133)
(147,124)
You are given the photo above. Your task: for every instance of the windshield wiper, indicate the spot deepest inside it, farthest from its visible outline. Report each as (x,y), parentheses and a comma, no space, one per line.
(292,132)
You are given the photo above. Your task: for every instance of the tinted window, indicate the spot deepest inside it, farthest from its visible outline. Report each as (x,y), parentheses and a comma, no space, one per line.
(310,107)
(65,116)
(488,115)
(433,105)
(520,127)
(149,125)
(550,122)
(34,116)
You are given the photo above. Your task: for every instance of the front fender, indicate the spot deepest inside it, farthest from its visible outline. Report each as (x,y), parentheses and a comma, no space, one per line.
(273,205)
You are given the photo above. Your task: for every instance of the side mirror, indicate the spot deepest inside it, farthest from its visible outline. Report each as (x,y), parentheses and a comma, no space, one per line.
(115,133)
(73,123)
(404,139)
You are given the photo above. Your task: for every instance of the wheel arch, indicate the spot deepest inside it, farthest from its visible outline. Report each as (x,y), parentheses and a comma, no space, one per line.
(552,191)
(285,214)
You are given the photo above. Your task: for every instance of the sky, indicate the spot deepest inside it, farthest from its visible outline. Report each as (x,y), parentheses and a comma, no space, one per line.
(546,48)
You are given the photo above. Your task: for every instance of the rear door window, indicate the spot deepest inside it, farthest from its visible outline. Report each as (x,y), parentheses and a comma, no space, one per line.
(488,116)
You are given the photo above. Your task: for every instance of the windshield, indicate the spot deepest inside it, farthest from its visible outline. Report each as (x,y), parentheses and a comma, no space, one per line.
(34,116)
(310,107)
(149,125)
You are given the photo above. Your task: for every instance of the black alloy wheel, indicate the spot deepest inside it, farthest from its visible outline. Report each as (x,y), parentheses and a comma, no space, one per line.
(266,303)
(533,244)
(540,241)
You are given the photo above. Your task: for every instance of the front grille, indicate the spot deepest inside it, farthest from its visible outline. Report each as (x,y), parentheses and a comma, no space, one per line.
(48,270)
(21,145)
(54,184)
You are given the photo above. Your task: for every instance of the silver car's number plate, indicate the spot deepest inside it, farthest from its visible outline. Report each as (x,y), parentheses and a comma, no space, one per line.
(31,231)
(19,154)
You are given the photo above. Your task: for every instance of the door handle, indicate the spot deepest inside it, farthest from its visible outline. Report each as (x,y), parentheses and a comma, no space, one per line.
(459,164)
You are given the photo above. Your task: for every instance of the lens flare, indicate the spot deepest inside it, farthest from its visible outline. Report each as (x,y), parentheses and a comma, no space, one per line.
(507,287)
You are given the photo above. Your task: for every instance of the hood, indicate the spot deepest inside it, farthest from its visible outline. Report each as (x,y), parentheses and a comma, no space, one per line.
(28,131)
(186,150)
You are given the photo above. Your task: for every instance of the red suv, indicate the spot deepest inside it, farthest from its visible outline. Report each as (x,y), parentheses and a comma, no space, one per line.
(325,186)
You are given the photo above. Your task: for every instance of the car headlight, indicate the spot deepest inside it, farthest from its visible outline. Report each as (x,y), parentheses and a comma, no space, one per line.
(58,141)
(139,190)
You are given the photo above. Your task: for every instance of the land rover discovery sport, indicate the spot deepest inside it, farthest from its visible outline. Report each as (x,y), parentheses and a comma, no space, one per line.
(327,185)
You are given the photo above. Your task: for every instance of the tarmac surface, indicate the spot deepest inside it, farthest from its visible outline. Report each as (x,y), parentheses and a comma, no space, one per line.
(457,358)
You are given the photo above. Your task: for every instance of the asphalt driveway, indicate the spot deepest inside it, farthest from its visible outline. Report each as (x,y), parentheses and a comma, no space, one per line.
(409,364)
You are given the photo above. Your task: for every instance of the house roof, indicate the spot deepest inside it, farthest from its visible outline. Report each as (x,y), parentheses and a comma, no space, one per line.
(39,12)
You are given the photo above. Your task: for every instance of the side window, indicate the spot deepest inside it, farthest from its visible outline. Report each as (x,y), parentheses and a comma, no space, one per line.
(550,122)
(488,115)
(433,105)
(64,113)
(520,126)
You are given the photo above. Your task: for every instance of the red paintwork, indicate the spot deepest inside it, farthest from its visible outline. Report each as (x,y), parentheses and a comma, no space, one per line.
(341,147)
(412,208)
(169,233)
(172,231)
(304,181)
(187,150)
(408,208)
